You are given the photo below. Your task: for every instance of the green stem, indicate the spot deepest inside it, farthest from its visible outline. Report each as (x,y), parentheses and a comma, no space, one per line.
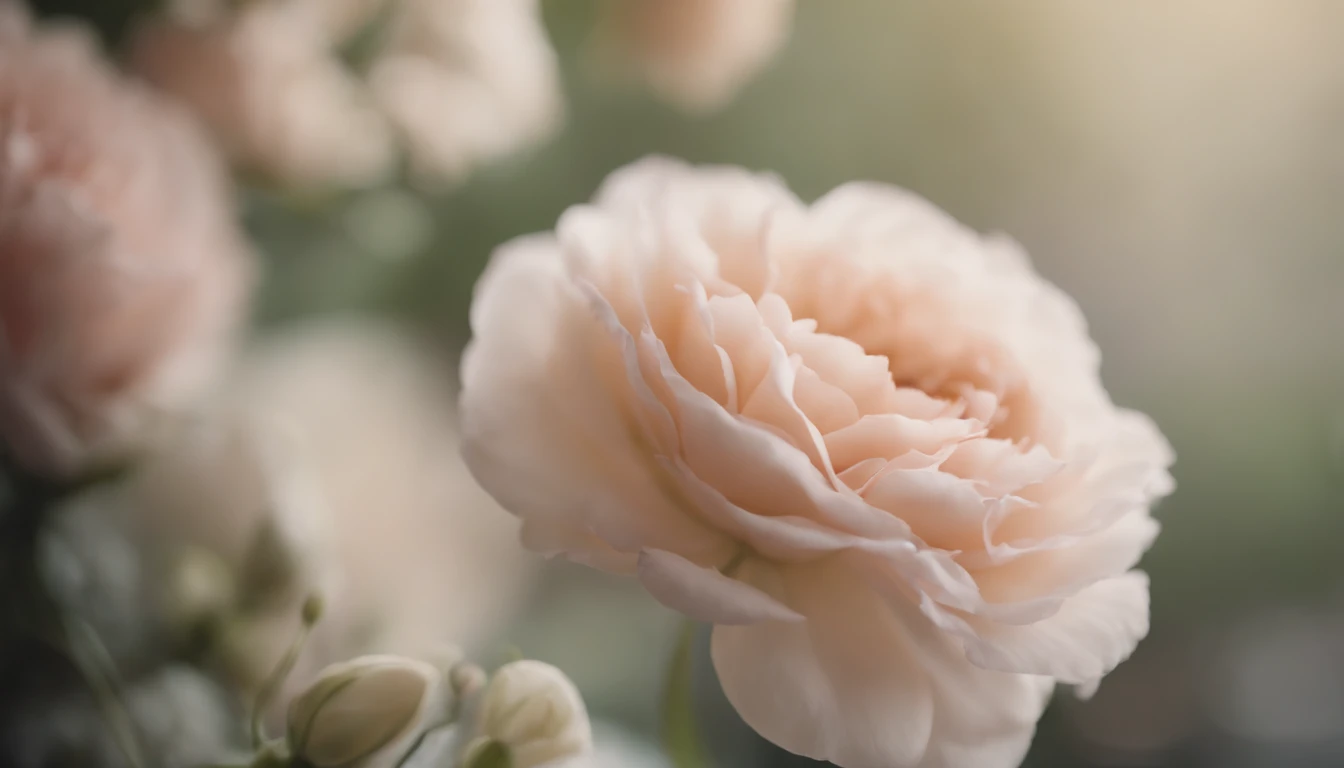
(681,738)
(99,670)
(494,755)
(311,613)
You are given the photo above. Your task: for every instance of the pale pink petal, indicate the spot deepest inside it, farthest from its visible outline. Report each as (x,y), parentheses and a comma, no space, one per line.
(858,475)
(847,685)
(999,467)
(567,455)
(889,435)
(1091,633)
(982,718)
(719,449)
(705,594)
(828,407)
(1064,567)
(943,510)
(779,537)
(749,345)
(551,538)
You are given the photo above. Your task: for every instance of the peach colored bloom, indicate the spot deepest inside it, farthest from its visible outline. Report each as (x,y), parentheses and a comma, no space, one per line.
(122,272)
(869,445)
(265,80)
(697,54)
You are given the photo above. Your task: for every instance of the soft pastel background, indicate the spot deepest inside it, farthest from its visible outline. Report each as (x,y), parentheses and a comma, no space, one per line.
(1177,166)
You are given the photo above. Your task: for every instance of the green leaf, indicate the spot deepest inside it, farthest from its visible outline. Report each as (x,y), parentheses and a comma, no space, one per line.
(681,739)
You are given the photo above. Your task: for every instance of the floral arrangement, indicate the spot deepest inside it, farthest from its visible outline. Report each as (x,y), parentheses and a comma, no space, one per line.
(865,447)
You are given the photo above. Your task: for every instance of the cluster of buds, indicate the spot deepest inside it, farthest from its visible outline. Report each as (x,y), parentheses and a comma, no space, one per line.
(385,711)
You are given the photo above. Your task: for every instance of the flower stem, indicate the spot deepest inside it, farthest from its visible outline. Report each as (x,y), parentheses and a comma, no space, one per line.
(311,612)
(494,755)
(89,654)
(681,739)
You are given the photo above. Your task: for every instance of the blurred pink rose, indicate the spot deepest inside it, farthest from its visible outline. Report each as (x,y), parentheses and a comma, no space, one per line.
(697,54)
(265,80)
(122,272)
(868,444)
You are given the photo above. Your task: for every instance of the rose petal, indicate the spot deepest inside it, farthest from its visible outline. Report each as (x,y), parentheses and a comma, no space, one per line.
(845,686)
(889,435)
(541,435)
(943,510)
(1091,633)
(705,594)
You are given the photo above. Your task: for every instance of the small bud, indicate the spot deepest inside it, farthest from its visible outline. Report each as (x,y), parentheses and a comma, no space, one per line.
(467,680)
(367,713)
(532,710)
(312,610)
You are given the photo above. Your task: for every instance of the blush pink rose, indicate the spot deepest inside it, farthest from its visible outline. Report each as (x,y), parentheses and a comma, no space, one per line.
(867,444)
(122,271)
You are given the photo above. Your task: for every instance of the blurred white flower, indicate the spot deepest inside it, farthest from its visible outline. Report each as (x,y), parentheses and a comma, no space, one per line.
(369,712)
(460,82)
(533,710)
(468,81)
(122,271)
(696,54)
(339,438)
(265,80)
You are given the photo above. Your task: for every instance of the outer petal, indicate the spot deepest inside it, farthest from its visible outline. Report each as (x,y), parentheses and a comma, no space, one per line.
(868,682)
(1081,639)
(732,210)
(541,433)
(982,718)
(846,686)
(1093,632)
(706,595)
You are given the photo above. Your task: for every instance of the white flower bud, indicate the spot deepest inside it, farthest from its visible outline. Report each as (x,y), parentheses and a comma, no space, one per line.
(535,712)
(368,712)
